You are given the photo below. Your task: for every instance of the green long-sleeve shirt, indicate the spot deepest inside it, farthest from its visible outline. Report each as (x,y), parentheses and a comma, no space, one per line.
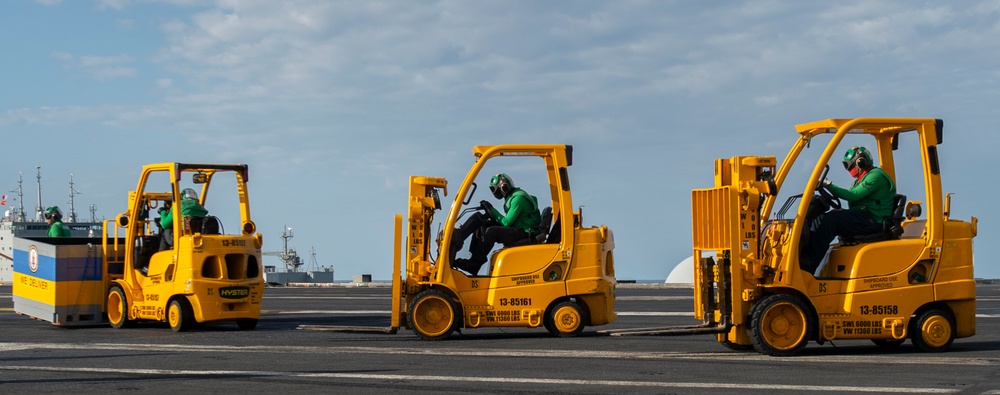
(189,208)
(522,211)
(58,230)
(872,194)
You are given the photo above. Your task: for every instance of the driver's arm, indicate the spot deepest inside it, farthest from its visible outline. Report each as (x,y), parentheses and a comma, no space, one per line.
(517,206)
(870,184)
(167,220)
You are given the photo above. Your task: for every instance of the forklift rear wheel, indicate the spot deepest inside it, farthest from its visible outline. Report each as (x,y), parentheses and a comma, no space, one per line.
(433,315)
(934,331)
(888,344)
(779,325)
(179,315)
(117,308)
(565,319)
(247,323)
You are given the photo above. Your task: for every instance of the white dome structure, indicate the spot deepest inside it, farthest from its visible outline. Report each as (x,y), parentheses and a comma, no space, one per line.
(683,273)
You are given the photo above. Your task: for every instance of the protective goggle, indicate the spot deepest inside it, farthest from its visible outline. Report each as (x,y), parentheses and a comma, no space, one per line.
(849,164)
(496,191)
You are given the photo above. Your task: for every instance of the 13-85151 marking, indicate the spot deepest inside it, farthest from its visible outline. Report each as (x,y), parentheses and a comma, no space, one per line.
(234,243)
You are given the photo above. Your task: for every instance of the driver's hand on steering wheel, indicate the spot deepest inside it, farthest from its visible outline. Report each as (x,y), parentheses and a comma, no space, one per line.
(486,206)
(827,182)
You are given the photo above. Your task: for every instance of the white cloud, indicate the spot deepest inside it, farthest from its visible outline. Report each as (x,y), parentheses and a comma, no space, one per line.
(126,24)
(113,4)
(101,68)
(341,97)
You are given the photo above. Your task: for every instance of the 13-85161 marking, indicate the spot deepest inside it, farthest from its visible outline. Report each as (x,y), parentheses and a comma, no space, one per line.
(515,301)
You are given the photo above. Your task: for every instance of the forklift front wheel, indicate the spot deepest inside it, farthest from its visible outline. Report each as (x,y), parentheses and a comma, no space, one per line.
(935,330)
(432,315)
(117,308)
(179,315)
(779,325)
(565,320)
(736,346)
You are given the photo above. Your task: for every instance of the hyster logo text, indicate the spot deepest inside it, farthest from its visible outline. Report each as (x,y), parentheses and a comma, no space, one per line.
(234,292)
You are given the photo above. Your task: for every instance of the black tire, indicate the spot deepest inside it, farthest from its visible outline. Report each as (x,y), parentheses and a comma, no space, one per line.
(933,330)
(779,325)
(247,324)
(888,344)
(117,308)
(737,347)
(433,315)
(548,325)
(179,315)
(565,319)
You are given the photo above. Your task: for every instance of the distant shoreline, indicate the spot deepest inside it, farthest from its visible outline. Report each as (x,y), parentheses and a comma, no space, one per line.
(641,284)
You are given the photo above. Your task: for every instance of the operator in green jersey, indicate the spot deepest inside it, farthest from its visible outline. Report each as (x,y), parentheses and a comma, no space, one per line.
(189,208)
(870,202)
(53,217)
(489,226)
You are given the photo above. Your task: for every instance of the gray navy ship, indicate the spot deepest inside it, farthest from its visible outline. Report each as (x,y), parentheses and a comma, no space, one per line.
(15,223)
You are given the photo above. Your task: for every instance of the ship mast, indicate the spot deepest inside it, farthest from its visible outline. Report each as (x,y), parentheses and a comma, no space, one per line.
(38,208)
(72,207)
(20,198)
(288,256)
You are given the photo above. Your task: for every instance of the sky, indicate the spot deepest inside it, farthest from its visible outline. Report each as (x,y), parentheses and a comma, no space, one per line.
(334,104)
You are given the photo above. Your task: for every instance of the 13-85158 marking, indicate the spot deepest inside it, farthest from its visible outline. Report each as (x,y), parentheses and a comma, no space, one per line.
(879,309)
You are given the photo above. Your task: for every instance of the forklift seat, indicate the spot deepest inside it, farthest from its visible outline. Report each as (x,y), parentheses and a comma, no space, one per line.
(892,226)
(540,232)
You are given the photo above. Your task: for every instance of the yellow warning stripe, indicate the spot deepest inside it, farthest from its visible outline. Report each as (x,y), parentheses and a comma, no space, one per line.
(59,293)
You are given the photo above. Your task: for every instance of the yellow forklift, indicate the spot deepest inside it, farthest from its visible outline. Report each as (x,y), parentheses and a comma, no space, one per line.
(191,271)
(562,278)
(913,280)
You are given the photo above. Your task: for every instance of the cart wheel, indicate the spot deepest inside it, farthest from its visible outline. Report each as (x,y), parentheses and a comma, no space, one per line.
(934,331)
(247,323)
(565,319)
(118,308)
(888,344)
(433,315)
(779,325)
(179,315)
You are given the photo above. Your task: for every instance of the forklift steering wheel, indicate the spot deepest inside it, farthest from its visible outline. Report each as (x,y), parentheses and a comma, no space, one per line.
(825,193)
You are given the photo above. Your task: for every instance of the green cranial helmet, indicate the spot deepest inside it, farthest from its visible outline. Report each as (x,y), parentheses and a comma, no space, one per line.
(501,185)
(53,213)
(189,194)
(858,157)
